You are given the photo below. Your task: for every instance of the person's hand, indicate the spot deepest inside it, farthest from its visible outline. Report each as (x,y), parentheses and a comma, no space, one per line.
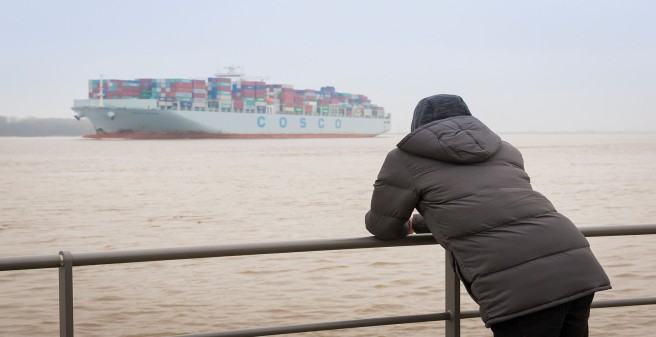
(411,230)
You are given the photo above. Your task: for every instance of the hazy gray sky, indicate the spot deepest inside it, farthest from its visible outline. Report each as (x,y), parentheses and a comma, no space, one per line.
(520,65)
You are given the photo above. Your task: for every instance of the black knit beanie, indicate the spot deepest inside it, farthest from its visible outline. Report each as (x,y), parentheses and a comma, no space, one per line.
(438,107)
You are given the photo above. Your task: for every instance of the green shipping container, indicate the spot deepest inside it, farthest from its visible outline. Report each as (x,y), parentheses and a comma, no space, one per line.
(298,109)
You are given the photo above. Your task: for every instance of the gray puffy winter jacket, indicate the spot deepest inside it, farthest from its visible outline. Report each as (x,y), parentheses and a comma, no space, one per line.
(513,251)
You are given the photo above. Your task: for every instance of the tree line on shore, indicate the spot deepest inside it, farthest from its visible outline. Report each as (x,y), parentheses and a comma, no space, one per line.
(42,127)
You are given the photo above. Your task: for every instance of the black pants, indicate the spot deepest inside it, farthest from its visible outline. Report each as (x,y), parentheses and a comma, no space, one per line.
(566,320)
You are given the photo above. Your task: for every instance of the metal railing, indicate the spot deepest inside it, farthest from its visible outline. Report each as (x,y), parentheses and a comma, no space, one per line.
(65,262)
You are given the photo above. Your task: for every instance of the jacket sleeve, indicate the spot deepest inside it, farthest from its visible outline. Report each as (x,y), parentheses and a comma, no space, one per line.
(419,224)
(393,200)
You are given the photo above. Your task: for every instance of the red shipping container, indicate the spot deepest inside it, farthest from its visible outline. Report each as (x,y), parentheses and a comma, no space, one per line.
(181,86)
(238,104)
(145,83)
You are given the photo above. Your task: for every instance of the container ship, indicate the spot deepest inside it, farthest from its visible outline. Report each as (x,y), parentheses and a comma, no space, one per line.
(225,106)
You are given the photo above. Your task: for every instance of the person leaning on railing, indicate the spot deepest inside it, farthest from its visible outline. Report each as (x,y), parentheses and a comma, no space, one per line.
(527,266)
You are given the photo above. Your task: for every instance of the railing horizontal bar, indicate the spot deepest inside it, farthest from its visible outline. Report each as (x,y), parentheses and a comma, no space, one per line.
(593,231)
(369,322)
(29,262)
(358,323)
(624,302)
(86,259)
(180,253)
(470,314)
(146,255)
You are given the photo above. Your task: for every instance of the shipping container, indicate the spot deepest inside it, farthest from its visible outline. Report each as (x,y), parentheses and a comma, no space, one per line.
(225,94)
(146,93)
(248,93)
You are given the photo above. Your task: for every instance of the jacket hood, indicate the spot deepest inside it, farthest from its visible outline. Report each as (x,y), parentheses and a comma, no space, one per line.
(437,107)
(460,140)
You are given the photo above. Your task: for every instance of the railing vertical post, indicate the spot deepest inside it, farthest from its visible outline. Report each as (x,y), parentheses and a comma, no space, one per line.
(452,297)
(66,294)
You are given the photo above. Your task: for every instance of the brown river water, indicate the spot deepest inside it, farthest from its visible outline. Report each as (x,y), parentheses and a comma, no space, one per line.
(92,196)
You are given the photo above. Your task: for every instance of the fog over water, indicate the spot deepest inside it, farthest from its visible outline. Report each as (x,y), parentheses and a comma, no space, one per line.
(44,127)
(88,196)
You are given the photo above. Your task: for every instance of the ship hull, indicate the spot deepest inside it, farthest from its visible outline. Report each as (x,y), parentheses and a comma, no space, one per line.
(138,123)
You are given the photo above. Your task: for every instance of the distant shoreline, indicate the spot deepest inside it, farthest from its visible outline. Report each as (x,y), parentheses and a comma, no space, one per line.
(44,127)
